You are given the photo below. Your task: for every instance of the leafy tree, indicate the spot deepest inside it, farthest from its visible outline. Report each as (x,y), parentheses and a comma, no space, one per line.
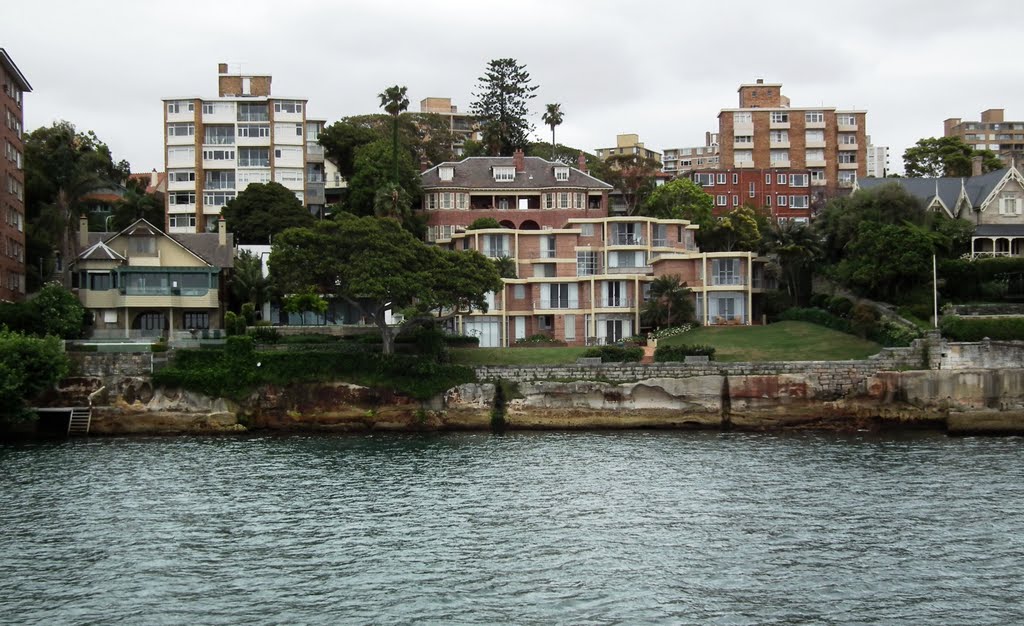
(553,117)
(669,304)
(884,261)
(507,267)
(62,167)
(737,230)
(303,301)
(945,156)
(373,174)
(632,174)
(427,136)
(136,204)
(484,222)
(248,284)
(392,201)
(888,204)
(28,366)
(59,311)
(394,101)
(377,267)
(343,138)
(501,106)
(797,249)
(262,211)
(680,199)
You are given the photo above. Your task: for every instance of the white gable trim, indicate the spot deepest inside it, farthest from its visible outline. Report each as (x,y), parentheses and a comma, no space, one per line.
(159,233)
(1011,174)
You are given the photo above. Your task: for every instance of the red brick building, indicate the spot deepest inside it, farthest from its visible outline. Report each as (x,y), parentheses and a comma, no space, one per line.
(12,177)
(765,132)
(785,194)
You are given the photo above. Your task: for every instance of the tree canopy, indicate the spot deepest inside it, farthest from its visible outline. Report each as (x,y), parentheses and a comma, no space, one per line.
(373,173)
(426,136)
(54,310)
(136,204)
(28,366)
(632,175)
(553,118)
(945,156)
(501,106)
(669,303)
(262,210)
(737,230)
(680,199)
(377,266)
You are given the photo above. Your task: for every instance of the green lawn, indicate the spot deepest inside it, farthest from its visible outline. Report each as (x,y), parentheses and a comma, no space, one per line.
(782,341)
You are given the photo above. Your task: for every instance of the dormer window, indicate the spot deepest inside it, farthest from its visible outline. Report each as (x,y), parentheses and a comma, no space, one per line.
(504,173)
(446,173)
(561,173)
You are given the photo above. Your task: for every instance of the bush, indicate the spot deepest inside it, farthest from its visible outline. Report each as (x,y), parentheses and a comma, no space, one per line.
(249,313)
(673,331)
(234,324)
(864,320)
(775,302)
(840,306)
(308,339)
(264,334)
(975,329)
(540,339)
(483,222)
(159,346)
(664,354)
(820,300)
(965,279)
(615,354)
(462,341)
(816,316)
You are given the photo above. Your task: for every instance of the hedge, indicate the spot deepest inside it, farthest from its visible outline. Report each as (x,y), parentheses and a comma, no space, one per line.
(884,332)
(664,354)
(964,279)
(975,329)
(615,354)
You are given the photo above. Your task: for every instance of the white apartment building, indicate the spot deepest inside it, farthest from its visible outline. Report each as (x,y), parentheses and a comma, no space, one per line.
(214,148)
(878,160)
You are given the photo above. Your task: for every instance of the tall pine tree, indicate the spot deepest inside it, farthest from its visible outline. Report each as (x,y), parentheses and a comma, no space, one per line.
(501,106)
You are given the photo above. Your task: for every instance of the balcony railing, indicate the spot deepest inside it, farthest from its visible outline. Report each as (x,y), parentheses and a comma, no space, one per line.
(625,239)
(607,302)
(719,280)
(635,269)
(559,303)
(497,253)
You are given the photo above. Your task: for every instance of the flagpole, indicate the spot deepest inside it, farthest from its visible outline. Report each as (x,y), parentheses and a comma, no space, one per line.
(935,293)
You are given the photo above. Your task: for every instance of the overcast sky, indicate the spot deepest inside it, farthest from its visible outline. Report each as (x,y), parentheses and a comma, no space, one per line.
(659,69)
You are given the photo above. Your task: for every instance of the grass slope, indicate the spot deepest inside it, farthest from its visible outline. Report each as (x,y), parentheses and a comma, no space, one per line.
(782,341)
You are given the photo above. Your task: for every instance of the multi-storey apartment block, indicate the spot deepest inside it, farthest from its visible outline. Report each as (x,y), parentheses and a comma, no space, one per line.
(628,144)
(581,276)
(12,177)
(463,125)
(991,133)
(682,161)
(785,194)
(765,132)
(878,160)
(214,148)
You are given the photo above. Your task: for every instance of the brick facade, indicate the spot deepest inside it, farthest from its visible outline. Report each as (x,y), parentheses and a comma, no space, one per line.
(784,194)
(12,180)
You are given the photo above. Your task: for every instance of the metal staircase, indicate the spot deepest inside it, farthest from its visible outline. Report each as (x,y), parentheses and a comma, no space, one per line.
(78,424)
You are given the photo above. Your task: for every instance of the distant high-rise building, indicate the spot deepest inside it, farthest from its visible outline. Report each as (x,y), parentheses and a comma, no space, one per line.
(12,175)
(878,160)
(214,148)
(628,144)
(765,132)
(992,132)
(463,125)
(679,161)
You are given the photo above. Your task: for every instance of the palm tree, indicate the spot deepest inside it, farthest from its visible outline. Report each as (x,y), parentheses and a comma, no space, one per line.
(797,247)
(669,302)
(507,267)
(553,117)
(393,101)
(248,284)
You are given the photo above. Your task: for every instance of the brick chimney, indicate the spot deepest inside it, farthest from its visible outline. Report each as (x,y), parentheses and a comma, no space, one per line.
(83,232)
(222,68)
(581,163)
(222,232)
(976,162)
(519,160)
(153,178)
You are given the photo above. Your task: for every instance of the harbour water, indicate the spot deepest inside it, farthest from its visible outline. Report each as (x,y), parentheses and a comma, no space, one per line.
(522,528)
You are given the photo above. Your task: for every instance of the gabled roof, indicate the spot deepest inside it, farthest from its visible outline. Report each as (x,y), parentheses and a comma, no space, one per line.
(538,173)
(13,71)
(948,191)
(204,246)
(99,251)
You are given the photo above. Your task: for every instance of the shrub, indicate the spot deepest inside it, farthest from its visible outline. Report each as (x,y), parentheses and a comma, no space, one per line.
(264,334)
(840,306)
(820,300)
(775,302)
(665,354)
(615,354)
(863,320)
(159,346)
(540,339)
(816,316)
(889,333)
(971,279)
(483,222)
(462,341)
(249,313)
(234,324)
(673,331)
(975,329)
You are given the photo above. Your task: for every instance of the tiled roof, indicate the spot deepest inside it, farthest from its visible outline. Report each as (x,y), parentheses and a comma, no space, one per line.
(999,230)
(977,188)
(538,173)
(204,245)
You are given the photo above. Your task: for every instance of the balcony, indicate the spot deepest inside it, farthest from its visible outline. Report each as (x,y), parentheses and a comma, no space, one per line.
(634,269)
(625,239)
(779,144)
(314,152)
(818,182)
(820,124)
(847,146)
(558,303)
(778,125)
(496,253)
(606,302)
(814,163)
(846,127)
(722,280)
(315,193)
(848,166)
(814,143)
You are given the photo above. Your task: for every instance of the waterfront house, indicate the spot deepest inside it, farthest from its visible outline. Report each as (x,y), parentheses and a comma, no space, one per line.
(143,282)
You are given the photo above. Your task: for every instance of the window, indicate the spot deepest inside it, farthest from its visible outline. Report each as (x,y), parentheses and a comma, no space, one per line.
(288,154)
(563,200)
(549,201)
(847,157)
(144,245)
(253,157)
(446,172)
(504,173)
(220,179)
(798,180)
(818,175)
(847,139)
(725,272)
(846,119)
(252,112)
(846,178)
(780,117)
(561,173)
(735,201)
(287,106)
(253,130)
(196,320)
(446,200)
(720,200)
(519,292)
(1009,204)
(815,136)
(744,139)
(798,202)
(779,136)
(431,201)
(245,177)
(704,180)
(580,202)
(217,198)
(767,201)
(743,156)
(779,156)
(815,155)
(586,263)
(721,179)
(814,117)
(586,230)
(753,190)
(181,176)
(496,246)
(182,220)
(181,130)
(767,179)
(181,197)
(181,106)
(735,179)
(219,135)
(462,201)
(781,201)
(219,155)
(741,117)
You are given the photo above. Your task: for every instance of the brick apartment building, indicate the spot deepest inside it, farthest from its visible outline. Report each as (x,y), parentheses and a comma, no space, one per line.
(12,175)
(992,132)
(581,276)
(214,148)
(785,194)
(765,132)
(682,161)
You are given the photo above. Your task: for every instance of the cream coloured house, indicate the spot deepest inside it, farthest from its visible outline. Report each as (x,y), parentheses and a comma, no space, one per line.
(142,282)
